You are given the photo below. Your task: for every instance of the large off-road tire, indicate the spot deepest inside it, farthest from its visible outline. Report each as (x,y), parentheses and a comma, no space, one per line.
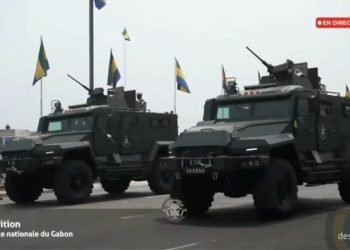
(159,179)
(344,185)
(197,195)
(276,191)
(115,186)
(73,182)
(22,189)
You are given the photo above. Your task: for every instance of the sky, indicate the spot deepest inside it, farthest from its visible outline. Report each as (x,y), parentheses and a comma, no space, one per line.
(201,34)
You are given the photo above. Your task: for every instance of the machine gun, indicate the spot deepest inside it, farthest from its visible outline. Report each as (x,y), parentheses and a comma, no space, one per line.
(96,96)
(116,98)
(290,73)
(268,66)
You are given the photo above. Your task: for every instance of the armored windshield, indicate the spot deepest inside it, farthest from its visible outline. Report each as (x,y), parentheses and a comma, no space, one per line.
(68,124)
(254,110)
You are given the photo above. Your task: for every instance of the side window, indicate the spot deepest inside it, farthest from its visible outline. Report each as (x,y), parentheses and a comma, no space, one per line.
(346,110)
(303,107)
(223,113)
(166,122)
(55,126)
(155,122)
(129,121)
(326,109)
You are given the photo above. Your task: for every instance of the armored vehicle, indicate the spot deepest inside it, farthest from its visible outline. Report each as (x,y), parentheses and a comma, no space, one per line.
(265,140)
(107,139)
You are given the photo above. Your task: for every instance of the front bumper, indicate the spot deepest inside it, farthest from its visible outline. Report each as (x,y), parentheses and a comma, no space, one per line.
(219,164)
(30,164)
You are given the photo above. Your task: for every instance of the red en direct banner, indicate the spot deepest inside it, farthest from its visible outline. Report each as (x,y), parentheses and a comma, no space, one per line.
(333,22)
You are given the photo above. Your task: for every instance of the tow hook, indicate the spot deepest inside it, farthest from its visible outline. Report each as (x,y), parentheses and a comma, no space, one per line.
(177,176)
(215,176)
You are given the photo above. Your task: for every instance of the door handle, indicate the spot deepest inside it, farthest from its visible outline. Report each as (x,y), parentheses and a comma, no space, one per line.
(311,130)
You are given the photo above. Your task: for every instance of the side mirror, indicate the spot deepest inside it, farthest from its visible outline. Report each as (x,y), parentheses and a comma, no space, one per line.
(313,105)
(208,107)
(41,124)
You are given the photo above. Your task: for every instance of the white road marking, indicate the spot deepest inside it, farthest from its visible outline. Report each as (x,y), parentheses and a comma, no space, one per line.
(189,245)
(130,217)
(104,192)
(184,246)
(137,189)
(132,184)
(156,196)
(139,183)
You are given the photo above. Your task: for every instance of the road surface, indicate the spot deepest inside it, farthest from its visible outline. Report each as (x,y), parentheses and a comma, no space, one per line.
(135,220)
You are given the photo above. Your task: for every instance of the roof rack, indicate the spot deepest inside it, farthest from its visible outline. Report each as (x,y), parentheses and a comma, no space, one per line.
(321,92)
(260,86)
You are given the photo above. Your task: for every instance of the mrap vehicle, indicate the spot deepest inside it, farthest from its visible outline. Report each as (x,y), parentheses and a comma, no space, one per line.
(265,140)
(107,139)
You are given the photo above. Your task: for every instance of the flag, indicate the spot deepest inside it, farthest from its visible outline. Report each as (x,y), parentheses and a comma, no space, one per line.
(100,3)
(42,64)
(259,77)
(126,35)
(224,79)
(180,79)
(347,92)
(113,72)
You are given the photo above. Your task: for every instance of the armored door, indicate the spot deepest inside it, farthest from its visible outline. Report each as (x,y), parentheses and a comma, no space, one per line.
(327,127)
(305,126)
(129,133)
(103,137)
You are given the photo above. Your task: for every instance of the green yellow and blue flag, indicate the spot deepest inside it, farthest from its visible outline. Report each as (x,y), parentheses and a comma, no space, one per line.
(180,79)
(42,64)
(347,92)
(113,72)
(100,3)
(126,35)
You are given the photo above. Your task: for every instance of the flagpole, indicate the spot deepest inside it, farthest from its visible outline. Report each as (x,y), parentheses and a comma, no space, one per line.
(124,63)
(222,78)
(91,43)
(175,86)
(41,97)
(222,86)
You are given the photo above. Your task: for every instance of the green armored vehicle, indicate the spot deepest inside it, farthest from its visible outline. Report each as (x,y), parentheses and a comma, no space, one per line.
(107,139)
(265,141)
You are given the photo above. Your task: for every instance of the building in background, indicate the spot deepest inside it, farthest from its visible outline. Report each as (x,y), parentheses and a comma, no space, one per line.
(8,134)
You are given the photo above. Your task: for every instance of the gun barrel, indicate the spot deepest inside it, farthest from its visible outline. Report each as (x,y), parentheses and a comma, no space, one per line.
(89,90)
(261,60)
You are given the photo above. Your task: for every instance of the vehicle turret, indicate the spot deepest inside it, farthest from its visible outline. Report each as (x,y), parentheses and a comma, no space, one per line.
(290,73)
(116,98)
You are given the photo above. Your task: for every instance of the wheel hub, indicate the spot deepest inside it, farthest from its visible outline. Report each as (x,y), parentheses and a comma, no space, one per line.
(77,184)
(165,176)
(281,193)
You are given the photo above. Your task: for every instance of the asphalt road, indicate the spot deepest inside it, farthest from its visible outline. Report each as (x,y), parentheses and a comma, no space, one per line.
(135,220)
